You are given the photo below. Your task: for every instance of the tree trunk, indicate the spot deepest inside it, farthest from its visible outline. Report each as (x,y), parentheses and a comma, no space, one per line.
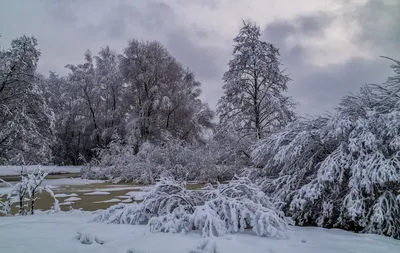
(21,205)
(256,108)
(33,202)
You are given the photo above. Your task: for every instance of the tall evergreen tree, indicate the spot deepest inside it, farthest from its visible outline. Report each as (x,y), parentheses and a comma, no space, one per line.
(254,85)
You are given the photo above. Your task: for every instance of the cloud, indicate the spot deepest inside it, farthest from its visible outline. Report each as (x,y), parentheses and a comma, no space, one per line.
(312,25)
(329,47)
(212,4)
(379,26)
(319,87)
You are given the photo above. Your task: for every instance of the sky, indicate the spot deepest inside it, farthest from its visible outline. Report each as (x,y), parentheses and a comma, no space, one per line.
(329,48)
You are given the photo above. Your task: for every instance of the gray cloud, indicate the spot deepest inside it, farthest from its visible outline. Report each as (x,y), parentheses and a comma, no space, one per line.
(155,20)
(212,4)
(279,31)
(305,25)
(380,20)
(205,60)
(61,14)
(65,29)
(319,88)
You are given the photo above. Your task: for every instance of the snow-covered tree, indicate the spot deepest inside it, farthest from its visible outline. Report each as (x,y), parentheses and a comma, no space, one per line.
(342,170)
(26,122)
(162,96)
(62,96)
(88,105)
(110,82)
(83,77)
(254,85)
(142,96)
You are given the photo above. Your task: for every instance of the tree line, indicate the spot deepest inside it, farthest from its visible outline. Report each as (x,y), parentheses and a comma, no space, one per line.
(141,95)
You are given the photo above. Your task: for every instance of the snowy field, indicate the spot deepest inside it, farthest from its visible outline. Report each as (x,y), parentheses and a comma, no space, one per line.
(16,170)
(59,233)
(72,231)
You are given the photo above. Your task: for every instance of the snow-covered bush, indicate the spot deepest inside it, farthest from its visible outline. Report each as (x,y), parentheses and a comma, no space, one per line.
(230,208)
(166,208)
(26,190)
(119,162)
(176,159)
(171,205)
(122,214)
(5,206)
(342,170)
(239,205)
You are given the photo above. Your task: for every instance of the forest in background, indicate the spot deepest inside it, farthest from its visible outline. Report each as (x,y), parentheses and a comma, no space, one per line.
(137,116)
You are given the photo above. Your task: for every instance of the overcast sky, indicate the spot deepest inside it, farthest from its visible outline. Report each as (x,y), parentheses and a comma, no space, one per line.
(329,48)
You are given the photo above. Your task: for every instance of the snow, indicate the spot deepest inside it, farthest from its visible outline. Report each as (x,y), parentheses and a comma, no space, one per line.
(127,201)
(119,189)
(66,203)
(137,195)
(59,233)
(71,199)
(108,201)
(113,189)
(63,195)
(16,170)
(70,181)
(123,197)
(97,193)
(4,190)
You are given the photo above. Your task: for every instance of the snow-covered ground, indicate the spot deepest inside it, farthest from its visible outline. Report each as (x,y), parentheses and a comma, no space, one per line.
(54,183)
(70,181)
(16,170)
(137,195)
(59,233)
(97,193)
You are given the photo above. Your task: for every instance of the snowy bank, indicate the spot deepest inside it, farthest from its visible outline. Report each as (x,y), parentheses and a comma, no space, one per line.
(59,233)
(16,170)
